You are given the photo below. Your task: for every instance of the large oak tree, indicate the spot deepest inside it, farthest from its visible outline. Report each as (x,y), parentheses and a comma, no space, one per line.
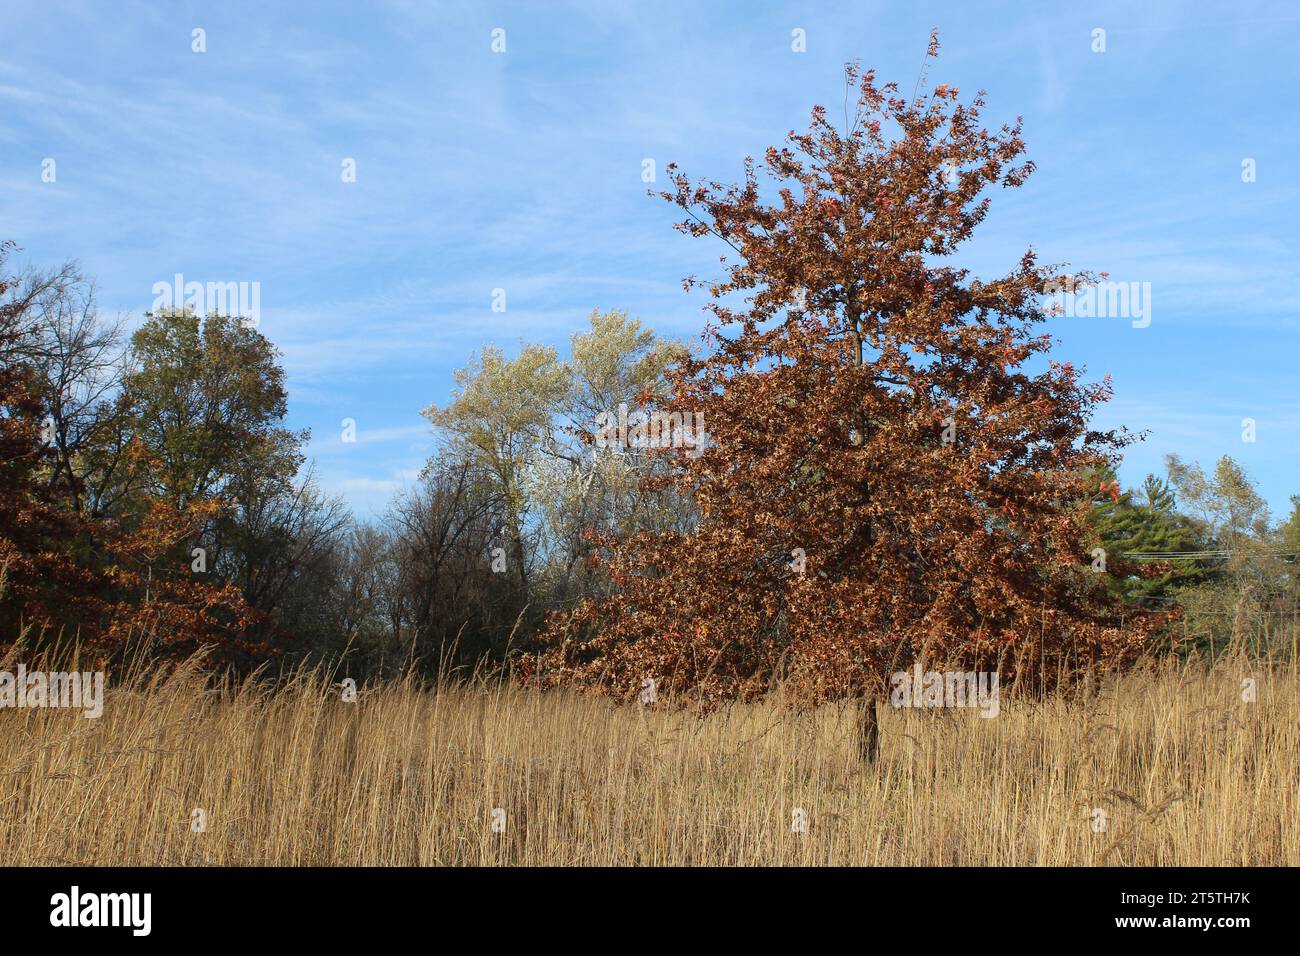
(895,470)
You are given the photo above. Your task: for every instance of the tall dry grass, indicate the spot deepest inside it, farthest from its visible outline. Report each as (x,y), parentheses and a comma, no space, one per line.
(1186,772)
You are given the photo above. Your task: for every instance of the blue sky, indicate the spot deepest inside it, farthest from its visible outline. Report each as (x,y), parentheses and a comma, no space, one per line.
(522,170)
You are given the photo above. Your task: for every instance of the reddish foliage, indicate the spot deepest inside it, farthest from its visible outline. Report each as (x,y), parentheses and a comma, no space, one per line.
(98,583)
(878,412)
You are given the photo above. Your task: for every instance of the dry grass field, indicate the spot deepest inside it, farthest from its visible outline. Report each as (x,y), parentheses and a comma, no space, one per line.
(1185,771)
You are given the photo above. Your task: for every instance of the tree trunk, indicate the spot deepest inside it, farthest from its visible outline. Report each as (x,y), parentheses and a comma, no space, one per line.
(868,731)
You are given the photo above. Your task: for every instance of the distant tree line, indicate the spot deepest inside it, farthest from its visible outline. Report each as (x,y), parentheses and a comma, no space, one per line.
(1211,552)
(153,501)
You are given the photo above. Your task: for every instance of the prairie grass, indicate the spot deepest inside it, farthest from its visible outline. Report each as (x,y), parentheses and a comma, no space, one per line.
(1185,771)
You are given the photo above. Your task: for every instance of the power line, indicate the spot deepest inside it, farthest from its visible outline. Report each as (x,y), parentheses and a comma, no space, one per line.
(1195,555)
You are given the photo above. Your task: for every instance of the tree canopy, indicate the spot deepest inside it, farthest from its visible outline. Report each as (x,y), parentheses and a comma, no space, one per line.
(894,469)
